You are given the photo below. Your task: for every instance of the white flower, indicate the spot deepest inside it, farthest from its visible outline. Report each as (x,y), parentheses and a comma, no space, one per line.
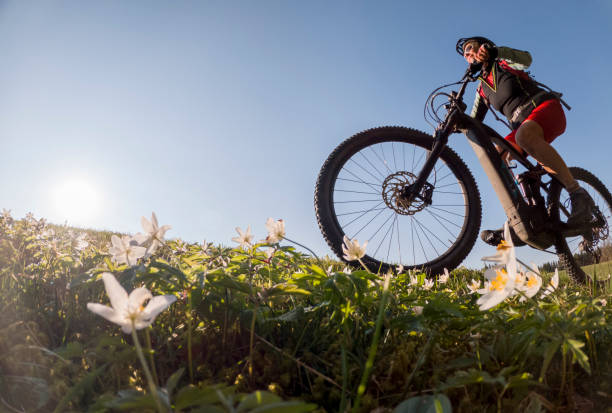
(414,280)
(503,249)
(418,309)
(443,278)
(154,235)
(474,286)
(400,269)
(428,284)
(500,286)
(519,281)
(245,238)
(552,284)
(130,309)
(352,250)
(276,230)
(269,252)
(78,242)
(604,302)
(531,285)
(126,250)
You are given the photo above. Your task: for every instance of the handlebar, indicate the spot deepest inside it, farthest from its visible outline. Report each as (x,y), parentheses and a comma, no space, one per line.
(456,98)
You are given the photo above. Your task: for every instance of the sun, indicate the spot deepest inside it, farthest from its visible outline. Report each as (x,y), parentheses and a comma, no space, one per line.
(76,201)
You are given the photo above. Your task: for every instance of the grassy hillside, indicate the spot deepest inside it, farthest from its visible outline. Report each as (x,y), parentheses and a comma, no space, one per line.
(264,328)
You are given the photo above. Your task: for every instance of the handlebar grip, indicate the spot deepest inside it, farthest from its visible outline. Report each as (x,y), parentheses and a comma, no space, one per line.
(474,68)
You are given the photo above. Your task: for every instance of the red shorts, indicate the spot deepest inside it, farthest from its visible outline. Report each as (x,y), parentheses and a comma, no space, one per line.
(550,116)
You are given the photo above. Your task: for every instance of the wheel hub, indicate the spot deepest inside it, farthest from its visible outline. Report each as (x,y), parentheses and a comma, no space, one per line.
(393,189)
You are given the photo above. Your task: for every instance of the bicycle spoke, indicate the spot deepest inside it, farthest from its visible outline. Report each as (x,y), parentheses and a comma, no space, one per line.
(357,192)
(355,219)
(375,187)
(399,245)
(420,243)
(355,181)
(441,224)
(365,170)
(423,228)
(363,210)
(382,160)
(368,223)
(361,200)
(385,236)
(447,192)
(393,151)
(444,210)
(372,165)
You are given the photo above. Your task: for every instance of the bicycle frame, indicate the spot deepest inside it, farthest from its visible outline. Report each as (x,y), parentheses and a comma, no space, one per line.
(530,222)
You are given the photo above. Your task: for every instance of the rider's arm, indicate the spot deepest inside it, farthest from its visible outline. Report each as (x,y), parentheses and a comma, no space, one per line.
(479,110)
(516,59)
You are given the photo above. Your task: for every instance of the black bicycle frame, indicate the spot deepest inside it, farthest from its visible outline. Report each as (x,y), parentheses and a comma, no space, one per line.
(529,222)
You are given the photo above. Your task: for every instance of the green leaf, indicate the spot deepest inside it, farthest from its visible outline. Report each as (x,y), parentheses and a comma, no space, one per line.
(191,396)
(71,350)
(32,392)
(86,383)
(173,381)
(282,289)
(549,353)
(437,403)
(317,270)
(521,380)
(255,399)
(132,399)
(232,284)
(290,316)
(285,407)
(575,346)
(472,376)
(175,271)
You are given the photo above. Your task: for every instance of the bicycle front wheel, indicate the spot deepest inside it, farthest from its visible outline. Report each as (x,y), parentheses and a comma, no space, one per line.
(358,195)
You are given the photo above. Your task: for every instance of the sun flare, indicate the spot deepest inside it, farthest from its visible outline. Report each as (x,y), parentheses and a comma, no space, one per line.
(76,200)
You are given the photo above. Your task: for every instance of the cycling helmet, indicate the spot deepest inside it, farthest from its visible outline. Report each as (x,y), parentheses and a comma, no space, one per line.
(482,40)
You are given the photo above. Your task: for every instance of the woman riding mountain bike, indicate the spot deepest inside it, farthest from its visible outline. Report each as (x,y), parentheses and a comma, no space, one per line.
(534,114)
(417,203)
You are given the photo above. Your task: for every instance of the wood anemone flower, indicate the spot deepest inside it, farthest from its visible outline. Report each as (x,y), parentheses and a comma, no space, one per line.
(127,310)
(352,250)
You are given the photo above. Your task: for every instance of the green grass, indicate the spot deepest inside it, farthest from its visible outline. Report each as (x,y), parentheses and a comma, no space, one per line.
(284,332)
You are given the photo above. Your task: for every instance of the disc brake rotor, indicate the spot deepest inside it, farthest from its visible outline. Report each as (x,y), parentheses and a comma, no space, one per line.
(392,189)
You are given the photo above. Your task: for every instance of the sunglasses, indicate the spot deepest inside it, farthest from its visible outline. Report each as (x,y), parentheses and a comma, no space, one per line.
(469,48)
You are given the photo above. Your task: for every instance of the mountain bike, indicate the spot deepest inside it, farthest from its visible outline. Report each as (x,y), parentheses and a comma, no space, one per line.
(417,204)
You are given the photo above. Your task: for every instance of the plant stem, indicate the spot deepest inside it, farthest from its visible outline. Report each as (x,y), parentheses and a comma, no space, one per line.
(305,247)
(152,387)
(374,346)
(251,339)
(189,328)
(363,265)
(151,359)
(344,379)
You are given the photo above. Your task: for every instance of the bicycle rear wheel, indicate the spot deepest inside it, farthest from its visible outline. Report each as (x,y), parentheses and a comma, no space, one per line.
(571,250)
(357,195)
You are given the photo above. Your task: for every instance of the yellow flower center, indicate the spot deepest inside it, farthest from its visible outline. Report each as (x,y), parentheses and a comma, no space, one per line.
(531,281)
(499,282)
(503,245)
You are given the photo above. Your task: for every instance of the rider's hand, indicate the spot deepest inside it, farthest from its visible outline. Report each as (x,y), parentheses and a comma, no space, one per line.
(482,55)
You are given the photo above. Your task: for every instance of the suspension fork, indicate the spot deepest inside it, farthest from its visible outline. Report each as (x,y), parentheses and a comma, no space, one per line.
(439,143)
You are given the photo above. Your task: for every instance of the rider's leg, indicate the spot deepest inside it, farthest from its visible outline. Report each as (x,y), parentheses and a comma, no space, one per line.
(534,135)
(530,137)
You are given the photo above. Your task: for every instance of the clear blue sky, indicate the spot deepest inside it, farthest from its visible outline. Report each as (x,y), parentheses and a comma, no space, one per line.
(217,114)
